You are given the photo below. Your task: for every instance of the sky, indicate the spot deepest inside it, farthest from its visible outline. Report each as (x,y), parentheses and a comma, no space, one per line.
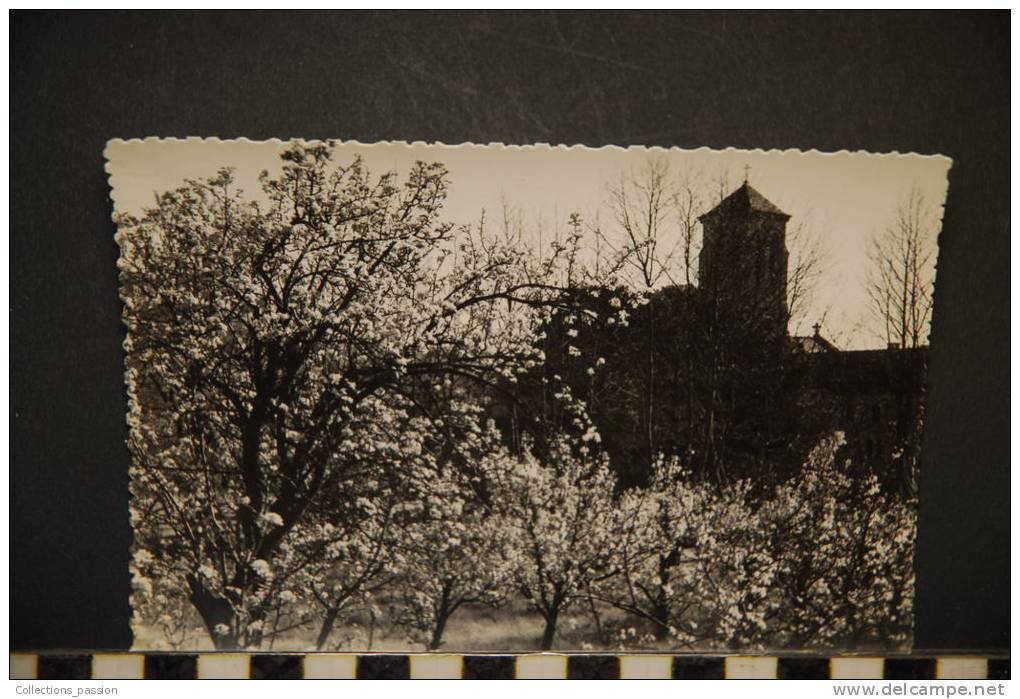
(840,199)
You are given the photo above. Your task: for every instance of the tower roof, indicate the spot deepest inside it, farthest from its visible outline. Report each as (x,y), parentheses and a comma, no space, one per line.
(746,198)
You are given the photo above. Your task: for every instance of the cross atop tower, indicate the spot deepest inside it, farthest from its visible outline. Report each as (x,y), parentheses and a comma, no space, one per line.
(747,172)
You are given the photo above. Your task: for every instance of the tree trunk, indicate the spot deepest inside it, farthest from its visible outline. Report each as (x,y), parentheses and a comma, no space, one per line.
(442,615)
(214,611)
(660,608)
(437,632)
(650,394)
(327,627)
(596,617)
(549,633)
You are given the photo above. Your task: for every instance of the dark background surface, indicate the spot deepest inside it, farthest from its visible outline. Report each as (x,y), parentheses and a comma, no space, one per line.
(924,82)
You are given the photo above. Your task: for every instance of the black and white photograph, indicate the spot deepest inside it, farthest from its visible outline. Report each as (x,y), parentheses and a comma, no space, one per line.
(499,398)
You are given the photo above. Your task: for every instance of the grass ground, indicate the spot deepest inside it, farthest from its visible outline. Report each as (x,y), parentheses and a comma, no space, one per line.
(472,628)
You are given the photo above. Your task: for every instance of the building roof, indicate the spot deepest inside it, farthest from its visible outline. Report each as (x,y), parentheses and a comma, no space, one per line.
(813,343)
(807,343)
(746,198)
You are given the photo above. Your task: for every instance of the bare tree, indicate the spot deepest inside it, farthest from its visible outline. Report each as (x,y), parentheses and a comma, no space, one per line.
(641,205)
(721,184)
(901,283)
(807,256)
(689,202)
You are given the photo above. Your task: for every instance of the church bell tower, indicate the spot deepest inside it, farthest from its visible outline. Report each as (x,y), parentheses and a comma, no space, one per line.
(743,264)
